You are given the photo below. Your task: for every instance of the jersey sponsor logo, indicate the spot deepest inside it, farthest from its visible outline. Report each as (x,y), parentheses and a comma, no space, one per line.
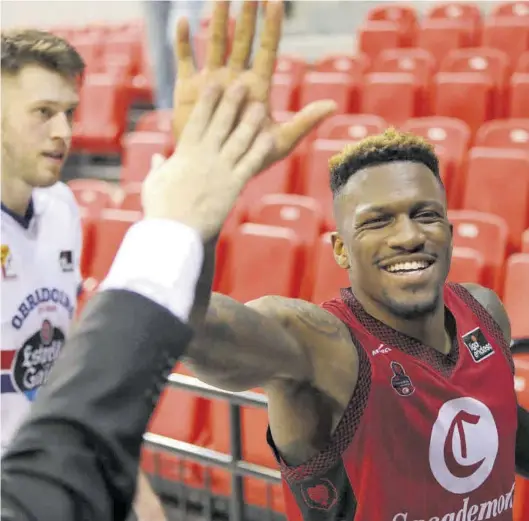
(321,495)
(38,297)
(66,260)
(400,381)
(381,350)
(478,345)
(463,445)
(6,258)
(33,362)
(468,512)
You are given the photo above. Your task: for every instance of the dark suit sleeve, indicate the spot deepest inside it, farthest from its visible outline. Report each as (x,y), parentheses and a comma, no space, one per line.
(76,457)
(522,443)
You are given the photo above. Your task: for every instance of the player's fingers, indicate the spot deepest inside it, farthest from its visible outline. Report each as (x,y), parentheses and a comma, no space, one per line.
(256,159)
(243,39)
(228,110)
(183,50)
(244,133)
(288,134)
(218,35)
(265,58)
(201,115)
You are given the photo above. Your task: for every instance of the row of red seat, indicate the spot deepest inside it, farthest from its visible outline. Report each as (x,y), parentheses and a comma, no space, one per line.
(292,228)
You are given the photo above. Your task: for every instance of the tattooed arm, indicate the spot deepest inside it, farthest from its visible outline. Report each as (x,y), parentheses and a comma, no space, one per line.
(241,346)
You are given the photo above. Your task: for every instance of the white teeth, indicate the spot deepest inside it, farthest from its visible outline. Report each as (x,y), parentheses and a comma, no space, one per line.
(407,266)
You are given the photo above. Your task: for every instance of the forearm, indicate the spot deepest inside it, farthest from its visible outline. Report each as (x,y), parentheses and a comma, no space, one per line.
(239,348)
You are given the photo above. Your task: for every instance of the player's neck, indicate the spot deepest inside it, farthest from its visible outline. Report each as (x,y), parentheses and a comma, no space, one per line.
(16,194)
(428,329)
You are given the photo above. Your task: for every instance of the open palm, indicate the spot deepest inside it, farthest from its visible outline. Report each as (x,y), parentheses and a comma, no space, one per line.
(257,77)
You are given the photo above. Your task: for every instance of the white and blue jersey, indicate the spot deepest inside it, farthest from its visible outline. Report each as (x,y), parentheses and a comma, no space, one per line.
(40,258)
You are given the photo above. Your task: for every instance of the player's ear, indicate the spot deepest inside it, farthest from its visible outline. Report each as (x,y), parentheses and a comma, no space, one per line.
(340,251)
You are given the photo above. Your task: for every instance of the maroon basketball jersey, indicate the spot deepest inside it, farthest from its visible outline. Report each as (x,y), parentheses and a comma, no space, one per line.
(426,436)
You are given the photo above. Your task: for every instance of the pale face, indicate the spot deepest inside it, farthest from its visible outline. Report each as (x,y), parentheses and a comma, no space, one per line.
(37,113)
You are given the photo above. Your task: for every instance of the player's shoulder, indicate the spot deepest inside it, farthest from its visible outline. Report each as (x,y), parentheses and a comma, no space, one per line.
(301,316)
(60,194)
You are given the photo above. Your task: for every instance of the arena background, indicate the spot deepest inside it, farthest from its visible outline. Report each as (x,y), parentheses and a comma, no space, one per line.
(114,138)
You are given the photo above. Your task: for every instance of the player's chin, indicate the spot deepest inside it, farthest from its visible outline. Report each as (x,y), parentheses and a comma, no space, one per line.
(47,175)
(415,304)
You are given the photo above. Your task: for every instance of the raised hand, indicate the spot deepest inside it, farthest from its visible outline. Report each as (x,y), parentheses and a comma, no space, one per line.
(257,77)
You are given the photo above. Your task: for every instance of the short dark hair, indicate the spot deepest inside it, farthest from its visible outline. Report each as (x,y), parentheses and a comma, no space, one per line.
(387,147)
(21,47)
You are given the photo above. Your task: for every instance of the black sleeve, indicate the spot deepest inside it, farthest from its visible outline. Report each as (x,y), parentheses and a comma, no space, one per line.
(522,443)
(76,457)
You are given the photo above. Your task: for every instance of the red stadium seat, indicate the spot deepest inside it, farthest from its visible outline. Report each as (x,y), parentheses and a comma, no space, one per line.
(467,265)
(283,92)
(292,66)
(519,95)
(525,241)
(439,36)
(403,15)
(375,36)
(102,115)
(467,13)
(507,33)
(123,48)
(90,47)
(265,260)
(418,62)
(464,95)
(351,127)
(382,89)
(516,293)
(523,63)
(131,197)
(254,423)
(92,195)
(138,149)
(507,133)
(297,212)
(355,66)
(327,278)
(498,183)
(155,121)
(505,8)
(481,60)
(343,88)
(109,231)
(478,231)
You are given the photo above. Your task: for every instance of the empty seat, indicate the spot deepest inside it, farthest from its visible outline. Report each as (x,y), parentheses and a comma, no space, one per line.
(508,133)
(463,95)
(375,36)
(439,36)
(297,212)
(327,277)
(355,66)
(109,231)
(491,62)
(102,115)
(130,197)
(523,63)
(92,195)
(467,13)
(382,89)
(138,149)
(467,265)
(519,95)
(155,121)
(291,65)
(478,231)
(265,260)
(351,127)
(507,33)
(404,16)
(504,8)
(497,182)
(283,96)
(340,87)
(525,241)
(516,293)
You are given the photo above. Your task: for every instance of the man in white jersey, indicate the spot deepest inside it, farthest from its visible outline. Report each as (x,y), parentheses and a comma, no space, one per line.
(41,228)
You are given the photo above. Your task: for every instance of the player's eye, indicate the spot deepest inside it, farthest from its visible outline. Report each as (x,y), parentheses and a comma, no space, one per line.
(45,112)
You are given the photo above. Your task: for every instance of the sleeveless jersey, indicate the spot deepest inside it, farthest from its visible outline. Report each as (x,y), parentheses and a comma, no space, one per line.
(40,278)
(425,436)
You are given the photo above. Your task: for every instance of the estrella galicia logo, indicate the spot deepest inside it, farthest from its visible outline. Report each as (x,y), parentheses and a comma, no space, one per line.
(35,359)
(478,345)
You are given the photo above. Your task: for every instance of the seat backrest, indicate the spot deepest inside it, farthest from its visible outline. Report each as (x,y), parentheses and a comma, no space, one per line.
(375,36)
(504,8)
(508,133)
(351,127)
(92,195)
(516,293)
(416,61)
(352,65)
(155,121)
(468,265)
(508,33)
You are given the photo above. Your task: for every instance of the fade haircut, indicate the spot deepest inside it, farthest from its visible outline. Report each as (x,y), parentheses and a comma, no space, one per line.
(390,146)
(21,47)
